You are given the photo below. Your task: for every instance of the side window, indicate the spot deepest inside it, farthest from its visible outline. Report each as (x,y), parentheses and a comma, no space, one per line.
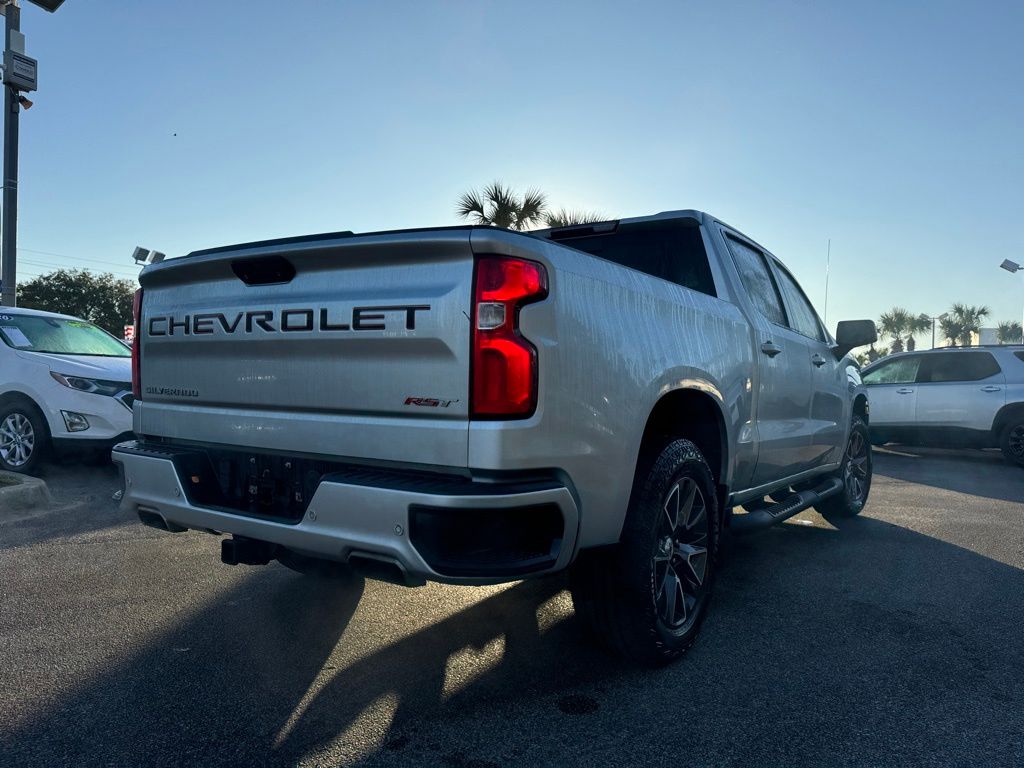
(958,366)
(899,370)
(803,319)
(758,281)
(1019,356)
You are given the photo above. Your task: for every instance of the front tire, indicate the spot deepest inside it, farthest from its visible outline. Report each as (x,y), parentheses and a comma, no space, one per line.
(1011,441)
(855,472)
(24,438)
(647,597)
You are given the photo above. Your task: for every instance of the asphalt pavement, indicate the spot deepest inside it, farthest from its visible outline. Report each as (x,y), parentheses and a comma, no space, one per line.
(894,638)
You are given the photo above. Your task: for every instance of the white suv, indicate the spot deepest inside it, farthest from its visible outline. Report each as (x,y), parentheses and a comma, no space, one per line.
(64,383)
(953,398)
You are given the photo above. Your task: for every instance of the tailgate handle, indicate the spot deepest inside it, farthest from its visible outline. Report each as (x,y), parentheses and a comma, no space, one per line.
(263,270)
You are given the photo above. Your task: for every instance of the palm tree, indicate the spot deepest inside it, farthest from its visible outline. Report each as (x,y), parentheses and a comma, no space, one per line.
(916,325)
(969,318)
(869,355)
(893,324)
(1009,332)
(952,329)
(499,206)
(563,217)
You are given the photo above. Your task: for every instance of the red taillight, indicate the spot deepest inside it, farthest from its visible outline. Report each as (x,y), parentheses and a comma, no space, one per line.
(504,374)
(137,319)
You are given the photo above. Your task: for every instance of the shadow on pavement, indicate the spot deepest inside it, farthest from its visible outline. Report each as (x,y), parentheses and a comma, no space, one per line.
(978,473)
(869,644)
(82,493)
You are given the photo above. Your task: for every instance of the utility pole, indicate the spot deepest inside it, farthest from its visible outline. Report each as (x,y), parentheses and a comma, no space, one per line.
(19,75)
(12,110)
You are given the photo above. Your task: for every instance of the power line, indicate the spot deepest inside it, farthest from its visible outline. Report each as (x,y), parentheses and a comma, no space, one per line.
(65,256)
(121,271)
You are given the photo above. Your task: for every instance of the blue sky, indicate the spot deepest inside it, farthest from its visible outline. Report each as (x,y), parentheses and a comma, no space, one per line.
(895,129)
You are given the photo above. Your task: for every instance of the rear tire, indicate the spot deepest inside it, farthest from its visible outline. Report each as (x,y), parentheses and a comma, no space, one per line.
(1011,441)
(855,471)
(24,437)
(314,566)
(647,597)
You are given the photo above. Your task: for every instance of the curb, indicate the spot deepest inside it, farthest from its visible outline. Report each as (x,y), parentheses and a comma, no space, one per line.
(23,494)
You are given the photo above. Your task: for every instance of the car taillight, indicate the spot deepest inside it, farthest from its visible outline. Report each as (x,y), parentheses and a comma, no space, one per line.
(504,366)
(136,341)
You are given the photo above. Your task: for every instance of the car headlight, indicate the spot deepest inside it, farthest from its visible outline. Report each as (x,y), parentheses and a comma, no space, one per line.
(92,386)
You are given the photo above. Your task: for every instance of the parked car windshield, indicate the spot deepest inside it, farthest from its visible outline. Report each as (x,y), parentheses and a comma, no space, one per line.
(59,336)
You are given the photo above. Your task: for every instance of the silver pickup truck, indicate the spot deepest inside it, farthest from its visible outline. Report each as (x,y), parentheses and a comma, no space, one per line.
(473,405)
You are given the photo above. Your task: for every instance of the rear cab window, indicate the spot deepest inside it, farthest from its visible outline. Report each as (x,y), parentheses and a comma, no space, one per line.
(671,250)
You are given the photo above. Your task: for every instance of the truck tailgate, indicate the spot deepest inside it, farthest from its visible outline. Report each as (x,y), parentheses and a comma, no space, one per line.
(342,346)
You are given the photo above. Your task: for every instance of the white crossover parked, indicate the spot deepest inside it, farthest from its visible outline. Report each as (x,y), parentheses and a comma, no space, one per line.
(64,384)
(952,398)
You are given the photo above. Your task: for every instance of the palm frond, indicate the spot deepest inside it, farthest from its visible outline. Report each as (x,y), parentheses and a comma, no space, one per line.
(471,206)
(531,208)
(565,217)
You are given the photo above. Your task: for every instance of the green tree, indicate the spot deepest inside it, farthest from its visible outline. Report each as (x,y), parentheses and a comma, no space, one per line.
(964,321)
(563,217)
(893,325)
(1009,332)
(871,354)
(500,206)
(917,325)
(99,298)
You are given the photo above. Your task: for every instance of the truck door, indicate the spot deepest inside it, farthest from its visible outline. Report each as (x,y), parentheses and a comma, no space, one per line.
(828,417)
(783,401)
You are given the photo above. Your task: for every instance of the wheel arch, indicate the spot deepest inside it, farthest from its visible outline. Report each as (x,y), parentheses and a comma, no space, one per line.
(862,408)
(1003,417)
(693,415)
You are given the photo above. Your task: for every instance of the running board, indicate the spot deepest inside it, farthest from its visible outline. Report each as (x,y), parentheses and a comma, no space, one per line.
(785,509)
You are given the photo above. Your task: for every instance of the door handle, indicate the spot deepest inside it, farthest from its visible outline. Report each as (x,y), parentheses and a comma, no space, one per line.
(770,349)
(905,391)
(818,360)
(991,388)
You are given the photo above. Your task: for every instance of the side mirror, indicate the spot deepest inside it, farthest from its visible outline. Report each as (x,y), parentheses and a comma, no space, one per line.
(853,333)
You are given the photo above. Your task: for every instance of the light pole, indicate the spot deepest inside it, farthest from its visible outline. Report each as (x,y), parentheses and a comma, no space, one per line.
(19,75)
(1013,267)
(943,316)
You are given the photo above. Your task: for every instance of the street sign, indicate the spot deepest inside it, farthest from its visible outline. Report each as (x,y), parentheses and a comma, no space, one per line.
(20,71)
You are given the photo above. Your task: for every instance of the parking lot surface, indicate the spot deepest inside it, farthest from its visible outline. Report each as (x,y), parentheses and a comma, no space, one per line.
(894,638)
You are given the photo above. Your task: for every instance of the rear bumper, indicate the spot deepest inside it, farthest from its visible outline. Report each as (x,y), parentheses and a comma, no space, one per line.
(431,528)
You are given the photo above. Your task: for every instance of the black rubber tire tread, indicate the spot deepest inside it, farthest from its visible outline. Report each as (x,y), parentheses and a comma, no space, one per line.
(314,566)
(841,505)
(42,447)
(1004,441)
(612,588)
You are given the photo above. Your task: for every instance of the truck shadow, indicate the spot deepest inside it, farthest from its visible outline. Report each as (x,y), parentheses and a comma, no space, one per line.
(810,623)
(974,472)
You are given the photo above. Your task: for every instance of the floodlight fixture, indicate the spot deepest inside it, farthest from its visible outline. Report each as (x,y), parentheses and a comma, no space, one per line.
(48,5)
(140,254)
(155,257)
(1011,266)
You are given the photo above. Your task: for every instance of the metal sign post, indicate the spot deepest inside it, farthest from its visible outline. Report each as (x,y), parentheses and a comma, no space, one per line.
(12,109)
(20,72)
